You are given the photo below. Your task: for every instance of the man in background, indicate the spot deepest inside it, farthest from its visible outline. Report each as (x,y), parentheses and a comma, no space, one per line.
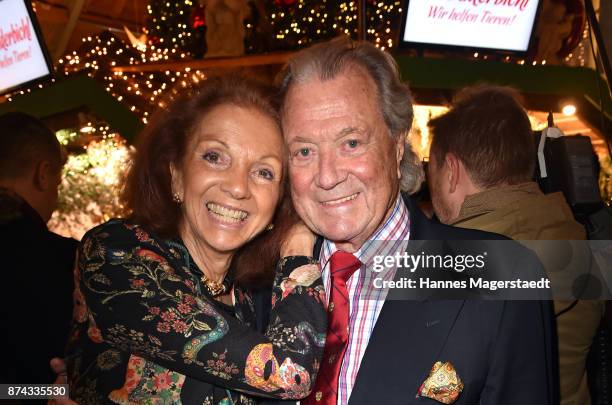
(481,167)
(35,264)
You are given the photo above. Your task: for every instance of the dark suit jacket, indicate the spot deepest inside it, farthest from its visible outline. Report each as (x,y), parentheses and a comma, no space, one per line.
(502,350)
(35,294)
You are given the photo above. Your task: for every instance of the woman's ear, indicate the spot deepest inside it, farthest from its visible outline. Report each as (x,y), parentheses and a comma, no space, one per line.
(176,181)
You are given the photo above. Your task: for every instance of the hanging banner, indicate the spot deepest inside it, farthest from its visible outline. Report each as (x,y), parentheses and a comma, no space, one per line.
(23,56)
(504,25)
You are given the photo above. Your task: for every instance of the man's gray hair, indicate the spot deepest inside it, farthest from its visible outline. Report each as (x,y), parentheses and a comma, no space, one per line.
(326,60)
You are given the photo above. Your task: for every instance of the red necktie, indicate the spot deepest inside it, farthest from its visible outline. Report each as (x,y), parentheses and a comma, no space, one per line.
(325,392)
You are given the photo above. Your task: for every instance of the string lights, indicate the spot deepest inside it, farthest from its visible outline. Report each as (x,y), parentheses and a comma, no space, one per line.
(173,36)
(91,182)
(142,92)
(170,26)
(299,23)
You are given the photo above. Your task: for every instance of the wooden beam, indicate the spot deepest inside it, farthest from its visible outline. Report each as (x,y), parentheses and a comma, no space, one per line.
(242,61)
(116,7)
(46,12)
(75,12)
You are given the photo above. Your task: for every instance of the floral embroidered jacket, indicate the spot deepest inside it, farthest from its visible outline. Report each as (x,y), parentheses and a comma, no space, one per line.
(146,332)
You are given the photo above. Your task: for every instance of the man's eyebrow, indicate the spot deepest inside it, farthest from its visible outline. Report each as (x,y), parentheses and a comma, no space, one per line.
(301,139)
(344,132)
(347,131)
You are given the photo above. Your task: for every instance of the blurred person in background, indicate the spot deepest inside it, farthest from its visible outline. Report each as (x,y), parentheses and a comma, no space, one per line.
(480,171)
(36,264)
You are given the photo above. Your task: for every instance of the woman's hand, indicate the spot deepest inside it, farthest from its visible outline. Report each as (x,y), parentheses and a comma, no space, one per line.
(299,241)
(59,368)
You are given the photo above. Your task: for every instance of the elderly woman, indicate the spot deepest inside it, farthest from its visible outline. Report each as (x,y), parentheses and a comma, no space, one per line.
(158,319)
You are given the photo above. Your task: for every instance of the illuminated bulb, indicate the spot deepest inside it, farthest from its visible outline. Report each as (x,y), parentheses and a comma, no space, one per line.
(569,110)
(87,129)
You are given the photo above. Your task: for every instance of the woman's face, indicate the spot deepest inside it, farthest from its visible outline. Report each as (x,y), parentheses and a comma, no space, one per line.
(230,178)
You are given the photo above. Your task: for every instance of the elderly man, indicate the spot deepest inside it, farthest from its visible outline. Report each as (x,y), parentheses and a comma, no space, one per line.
(481,167)
(345,116)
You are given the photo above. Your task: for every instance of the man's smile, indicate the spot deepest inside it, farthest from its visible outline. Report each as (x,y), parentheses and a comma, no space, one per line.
(340,200)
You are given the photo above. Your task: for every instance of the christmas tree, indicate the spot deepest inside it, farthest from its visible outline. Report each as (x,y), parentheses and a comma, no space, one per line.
(298,23)
(177,24)
(274,24)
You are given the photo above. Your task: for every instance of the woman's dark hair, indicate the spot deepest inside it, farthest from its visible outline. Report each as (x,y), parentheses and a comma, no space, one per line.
(147,196)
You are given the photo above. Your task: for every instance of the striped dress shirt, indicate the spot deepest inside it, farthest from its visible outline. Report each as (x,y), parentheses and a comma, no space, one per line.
(365,301)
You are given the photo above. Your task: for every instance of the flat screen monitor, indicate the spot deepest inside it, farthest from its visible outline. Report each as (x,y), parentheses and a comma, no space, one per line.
(500,25)
(23,55)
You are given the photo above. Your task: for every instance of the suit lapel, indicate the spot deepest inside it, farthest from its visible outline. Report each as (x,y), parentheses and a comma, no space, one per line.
(407,340)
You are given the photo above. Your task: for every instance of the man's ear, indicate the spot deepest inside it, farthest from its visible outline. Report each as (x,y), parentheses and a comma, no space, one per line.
(44,176)
(399,154)
(453,171)
(176,181)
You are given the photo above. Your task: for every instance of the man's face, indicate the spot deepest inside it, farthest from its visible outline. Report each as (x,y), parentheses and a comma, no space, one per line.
(344,165)
(446,204)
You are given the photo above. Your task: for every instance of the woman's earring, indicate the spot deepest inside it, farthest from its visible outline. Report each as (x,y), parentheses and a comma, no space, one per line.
(269,227)
(176,198)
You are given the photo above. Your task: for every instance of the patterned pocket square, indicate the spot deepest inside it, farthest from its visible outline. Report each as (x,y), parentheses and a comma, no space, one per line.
(443,384)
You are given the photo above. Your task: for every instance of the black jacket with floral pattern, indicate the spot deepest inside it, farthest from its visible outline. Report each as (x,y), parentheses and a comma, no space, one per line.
(145,331)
